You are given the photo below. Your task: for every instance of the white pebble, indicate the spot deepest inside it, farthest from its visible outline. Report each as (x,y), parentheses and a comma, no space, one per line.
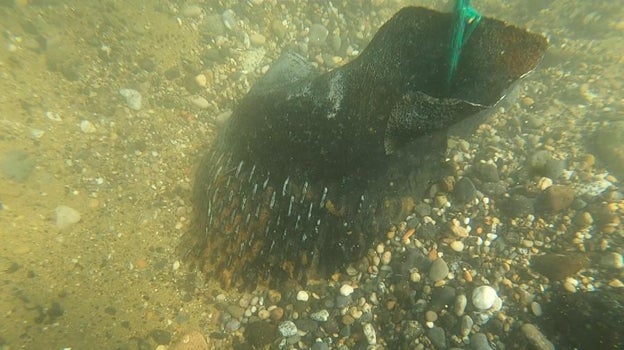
(201,80)
(457,246)
(346,290)
(66,216)
(302,295)
(483,297)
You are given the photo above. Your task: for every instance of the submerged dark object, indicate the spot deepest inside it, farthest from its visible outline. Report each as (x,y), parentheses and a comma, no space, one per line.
(585,320)
(311,168)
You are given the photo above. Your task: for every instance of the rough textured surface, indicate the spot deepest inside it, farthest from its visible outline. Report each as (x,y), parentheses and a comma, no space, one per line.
(294,183)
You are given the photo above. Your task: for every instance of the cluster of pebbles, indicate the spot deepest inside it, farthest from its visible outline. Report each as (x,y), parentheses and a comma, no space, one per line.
(528,212)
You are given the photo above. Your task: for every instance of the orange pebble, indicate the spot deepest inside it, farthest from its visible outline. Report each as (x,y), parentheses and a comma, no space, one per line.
(408,234)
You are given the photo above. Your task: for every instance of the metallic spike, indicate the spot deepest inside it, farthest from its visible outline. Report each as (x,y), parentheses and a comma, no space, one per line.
(279,219)
(253,191)
(304,191)
(233,215)
(272,245)
(241,248)
(268,227)
(257,213)
(292,199)
(251,173)
(266,181)
(272,203)
(297,222)
(323,197)
(285,185)
(229,181)
(243,203)
(218,172)
(304,237)
(284,233)
(310,211)
(360,204)
(247,219)
(238,169)
(251,238)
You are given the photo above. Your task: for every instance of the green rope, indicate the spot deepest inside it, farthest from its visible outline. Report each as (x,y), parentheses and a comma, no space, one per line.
(465,20)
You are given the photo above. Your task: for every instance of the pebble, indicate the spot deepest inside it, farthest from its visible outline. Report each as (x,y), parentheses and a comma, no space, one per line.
(302,295)
(87,127)
(479,342)
(538,161)
(320,316)
(386,257)
(438,270)
(483,297)
(369,333)
(460,304)
(287,329)
(66,216)
(133,98)
(486,172)
(464,190)
(200,102)
(229,19)
(466,326)
(264,314)
(536,308)
(318,34)
(555,199)
(457,246)
(437,337)
(257,39)
(232,325)
(260,333)
(277,314)
(612,260)
(192,11)
(346,290)
(201,80)
(536,338)
(431,316)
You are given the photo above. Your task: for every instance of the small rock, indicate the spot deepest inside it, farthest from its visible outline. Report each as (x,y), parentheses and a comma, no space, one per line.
(320,316)
(479,342)
(302,295)
(191,341)
(483,297)
(260,333)
(518,206)
(555,199)
(200,102)
(536,308)
(559,266)
(232,325)
(536,338)
(612,260)
(192,11)
(608,147)
(464,190)
(66,216)
(466,326)
(486,172)
(87,127)
(538,161)
(457,246)
(369,333)
(277,314)
(346,290)
(133,98)
(264,314)
(438,270)
(318,34)
(460,304)
(437,337)
(287,329)
(257,39)
(201,80)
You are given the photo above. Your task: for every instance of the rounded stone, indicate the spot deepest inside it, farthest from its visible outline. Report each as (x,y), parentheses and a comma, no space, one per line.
(287,329)
(483,297)
(302,295)
(439,270)
(346,290)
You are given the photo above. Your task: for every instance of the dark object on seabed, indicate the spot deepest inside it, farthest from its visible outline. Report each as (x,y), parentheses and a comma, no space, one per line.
(585,320)
(311,169)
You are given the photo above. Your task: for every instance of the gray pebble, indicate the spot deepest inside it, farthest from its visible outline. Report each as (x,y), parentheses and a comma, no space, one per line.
(464,190)
(466,326)
(318,34)
(66,216)
(538,162)
(460,304)
(319,345)
(133,98)
(438,270)
(612,260)
(437,337)
(536,337)
(486,172)
(536,309)
(479,342)
(287,328)
(232,325)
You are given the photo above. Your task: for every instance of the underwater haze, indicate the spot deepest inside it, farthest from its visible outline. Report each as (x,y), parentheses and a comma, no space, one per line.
(513,240)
